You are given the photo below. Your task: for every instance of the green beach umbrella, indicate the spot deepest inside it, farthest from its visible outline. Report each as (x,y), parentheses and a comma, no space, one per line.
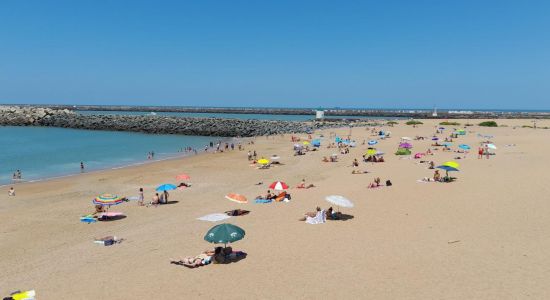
(224,233)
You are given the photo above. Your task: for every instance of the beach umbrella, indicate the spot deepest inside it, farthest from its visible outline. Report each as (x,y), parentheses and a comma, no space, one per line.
(441,128)
(435,138)
(451,164)
(464,147)
(491,146)
(263,161)
(224,233)
(371,152)
(337,140)
(236,198)
(406,138)
(447,169)
(405,145)
(373,142)
(447,144)
(339,201)
(166,187)
(316,143)
(183,176)
(278,185)
(305,143)
(275,157)
(107,200)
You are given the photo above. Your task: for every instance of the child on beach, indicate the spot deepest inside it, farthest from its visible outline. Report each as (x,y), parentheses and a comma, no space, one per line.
(141,197)
(11,192)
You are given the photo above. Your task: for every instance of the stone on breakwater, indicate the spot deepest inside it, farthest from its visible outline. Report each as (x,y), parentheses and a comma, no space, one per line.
(37,116)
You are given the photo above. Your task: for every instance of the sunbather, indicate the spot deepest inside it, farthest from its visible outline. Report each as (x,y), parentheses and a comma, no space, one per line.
(202,259)
(302,185)
(237,212)
(325,159)
(310,214)
(358,172)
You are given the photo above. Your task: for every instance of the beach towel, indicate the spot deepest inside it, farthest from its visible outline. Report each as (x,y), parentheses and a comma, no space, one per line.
(215,217)
(319,218)
(263,201)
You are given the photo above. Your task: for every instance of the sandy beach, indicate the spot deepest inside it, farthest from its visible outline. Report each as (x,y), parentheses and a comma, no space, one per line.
(484,236)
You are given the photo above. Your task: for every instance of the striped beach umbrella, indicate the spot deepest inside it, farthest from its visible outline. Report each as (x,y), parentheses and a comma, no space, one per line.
(107,200)
(236,198)
(278,185)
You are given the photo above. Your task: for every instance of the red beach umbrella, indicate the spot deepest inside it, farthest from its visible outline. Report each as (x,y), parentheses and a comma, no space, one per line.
(278,185)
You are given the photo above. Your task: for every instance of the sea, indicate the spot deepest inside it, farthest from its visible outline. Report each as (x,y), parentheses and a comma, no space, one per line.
(47,152)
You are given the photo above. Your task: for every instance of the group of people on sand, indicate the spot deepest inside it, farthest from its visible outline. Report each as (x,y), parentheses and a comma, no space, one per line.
(438,178)
(218,255)
(282,196)
(158,198)
(332,158)
(373,158)
(377,182)
(329,214)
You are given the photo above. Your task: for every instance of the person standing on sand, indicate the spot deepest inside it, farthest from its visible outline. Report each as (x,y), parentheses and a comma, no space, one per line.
(166,196)
(255,155)
(11,192)
(141,197)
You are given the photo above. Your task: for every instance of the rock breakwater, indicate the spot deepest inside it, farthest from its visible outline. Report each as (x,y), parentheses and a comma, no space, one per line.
(38,116)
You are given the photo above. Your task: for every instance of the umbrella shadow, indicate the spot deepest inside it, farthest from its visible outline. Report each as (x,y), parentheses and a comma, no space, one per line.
(236,259)
(109,219)
(171,202)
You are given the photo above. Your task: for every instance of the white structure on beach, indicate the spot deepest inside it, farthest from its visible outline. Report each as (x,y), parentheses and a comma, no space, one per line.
(434,114)
(319,113)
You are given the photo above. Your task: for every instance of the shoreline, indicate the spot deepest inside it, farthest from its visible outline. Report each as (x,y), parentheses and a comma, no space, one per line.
(174,156)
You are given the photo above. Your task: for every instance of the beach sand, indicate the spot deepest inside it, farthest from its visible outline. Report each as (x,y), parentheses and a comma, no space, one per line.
(484,236)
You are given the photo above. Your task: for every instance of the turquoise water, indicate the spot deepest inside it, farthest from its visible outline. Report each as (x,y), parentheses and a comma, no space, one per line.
(225,115)
(42,152)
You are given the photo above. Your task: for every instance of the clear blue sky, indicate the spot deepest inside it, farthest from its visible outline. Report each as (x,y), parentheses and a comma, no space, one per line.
(299,53)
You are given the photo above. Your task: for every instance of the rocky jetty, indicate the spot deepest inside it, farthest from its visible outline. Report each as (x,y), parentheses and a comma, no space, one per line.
(38,116)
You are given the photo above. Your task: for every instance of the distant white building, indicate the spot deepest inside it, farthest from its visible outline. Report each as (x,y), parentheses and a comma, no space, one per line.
(319,113)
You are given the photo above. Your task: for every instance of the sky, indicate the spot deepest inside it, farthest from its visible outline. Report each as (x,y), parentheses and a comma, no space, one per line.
(479,54)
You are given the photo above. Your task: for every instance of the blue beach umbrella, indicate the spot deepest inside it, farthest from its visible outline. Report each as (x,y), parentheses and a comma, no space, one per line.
(166,187)
(447,144)
(435,138)
(316,143)
(373,142)
(447,169)
(464,147)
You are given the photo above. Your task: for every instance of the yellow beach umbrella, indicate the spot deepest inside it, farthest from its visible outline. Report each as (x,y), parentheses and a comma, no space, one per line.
(371,152)
(305,143)
(263,161)
(451,164)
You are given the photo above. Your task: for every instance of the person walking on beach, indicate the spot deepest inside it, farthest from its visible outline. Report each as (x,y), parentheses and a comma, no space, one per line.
(81,167)
(480,153)
(487,151)
(249,156)
(141,197)
(255,155)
